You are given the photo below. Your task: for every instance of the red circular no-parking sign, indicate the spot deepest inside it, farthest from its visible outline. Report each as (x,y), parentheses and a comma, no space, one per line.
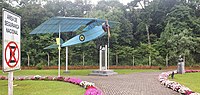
(12,46)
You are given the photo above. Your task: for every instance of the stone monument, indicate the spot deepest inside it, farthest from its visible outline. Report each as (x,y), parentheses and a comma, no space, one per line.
(103,64)
(181,65)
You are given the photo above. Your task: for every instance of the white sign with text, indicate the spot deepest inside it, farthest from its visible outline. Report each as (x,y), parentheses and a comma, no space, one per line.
(11,32)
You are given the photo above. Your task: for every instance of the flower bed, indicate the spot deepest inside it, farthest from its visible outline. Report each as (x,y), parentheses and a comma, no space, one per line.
(163,78)
(191,71)
(90,87)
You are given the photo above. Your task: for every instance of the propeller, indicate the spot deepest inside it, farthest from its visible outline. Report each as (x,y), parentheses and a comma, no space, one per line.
(106,27)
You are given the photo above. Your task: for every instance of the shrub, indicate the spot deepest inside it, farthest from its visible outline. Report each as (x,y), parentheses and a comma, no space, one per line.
(40,66)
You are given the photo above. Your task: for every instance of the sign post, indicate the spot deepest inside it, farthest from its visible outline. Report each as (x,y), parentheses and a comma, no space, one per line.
(11,32)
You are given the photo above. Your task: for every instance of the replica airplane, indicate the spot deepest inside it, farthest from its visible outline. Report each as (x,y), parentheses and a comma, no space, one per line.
(91,29)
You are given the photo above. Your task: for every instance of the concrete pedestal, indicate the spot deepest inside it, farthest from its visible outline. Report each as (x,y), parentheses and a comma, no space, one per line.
(103,73)
(181,68)
(66,72)
(103,63)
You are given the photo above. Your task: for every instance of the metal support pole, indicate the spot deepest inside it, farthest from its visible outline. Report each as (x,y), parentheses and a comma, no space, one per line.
(108,52)
(66,59)
(59,54)
(106,57)
(100,58)
(10,83)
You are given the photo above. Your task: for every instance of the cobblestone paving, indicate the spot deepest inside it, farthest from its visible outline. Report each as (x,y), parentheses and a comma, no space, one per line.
(130,84)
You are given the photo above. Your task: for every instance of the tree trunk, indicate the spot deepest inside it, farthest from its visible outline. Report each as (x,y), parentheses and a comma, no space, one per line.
(150,60)
(149,43)
(133,60)
(167,60)
(148,36)
(184,60)
(83,59)
(48,58)
(28,59)
(116,59)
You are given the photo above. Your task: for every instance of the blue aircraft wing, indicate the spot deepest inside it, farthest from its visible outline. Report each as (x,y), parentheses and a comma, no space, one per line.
(91,28)
(68,24)
(54,45)
(51,46)
(92,34)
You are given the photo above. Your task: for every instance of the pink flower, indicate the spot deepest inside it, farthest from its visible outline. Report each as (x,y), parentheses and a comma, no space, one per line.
(21,78)
(32,78)
(191,71)
(74,80)
(66,79)
(3,78)
(42,78)
(163,78)
(93,91)
(60,78)
(187,92)
(49,78)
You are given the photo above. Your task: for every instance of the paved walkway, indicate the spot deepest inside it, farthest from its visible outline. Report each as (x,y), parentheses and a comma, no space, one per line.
(130,84)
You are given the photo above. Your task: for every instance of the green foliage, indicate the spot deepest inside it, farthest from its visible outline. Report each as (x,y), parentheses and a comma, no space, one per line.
(40,65)
(173,25)
(178,35)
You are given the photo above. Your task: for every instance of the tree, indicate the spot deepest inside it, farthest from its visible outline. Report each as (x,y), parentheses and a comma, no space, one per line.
(178,36)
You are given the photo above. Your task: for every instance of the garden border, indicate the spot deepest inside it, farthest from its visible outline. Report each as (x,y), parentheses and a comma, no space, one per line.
(90,87)
(175,86)
(111,67)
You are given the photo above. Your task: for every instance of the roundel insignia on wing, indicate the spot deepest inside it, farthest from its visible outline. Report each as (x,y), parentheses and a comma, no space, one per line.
(81,37)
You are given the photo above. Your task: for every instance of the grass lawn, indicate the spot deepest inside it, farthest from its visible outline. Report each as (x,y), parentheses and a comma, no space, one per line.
(84,72)
(29,87)
(190,80)
(50,72)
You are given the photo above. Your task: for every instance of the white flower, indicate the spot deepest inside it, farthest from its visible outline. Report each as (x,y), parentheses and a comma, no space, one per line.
(85,84)
(37,76)
(195,94)
(163,78)
(183,89)
(54,78)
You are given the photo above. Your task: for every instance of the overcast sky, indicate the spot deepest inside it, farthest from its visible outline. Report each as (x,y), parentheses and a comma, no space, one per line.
(122,1)
(14,3)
